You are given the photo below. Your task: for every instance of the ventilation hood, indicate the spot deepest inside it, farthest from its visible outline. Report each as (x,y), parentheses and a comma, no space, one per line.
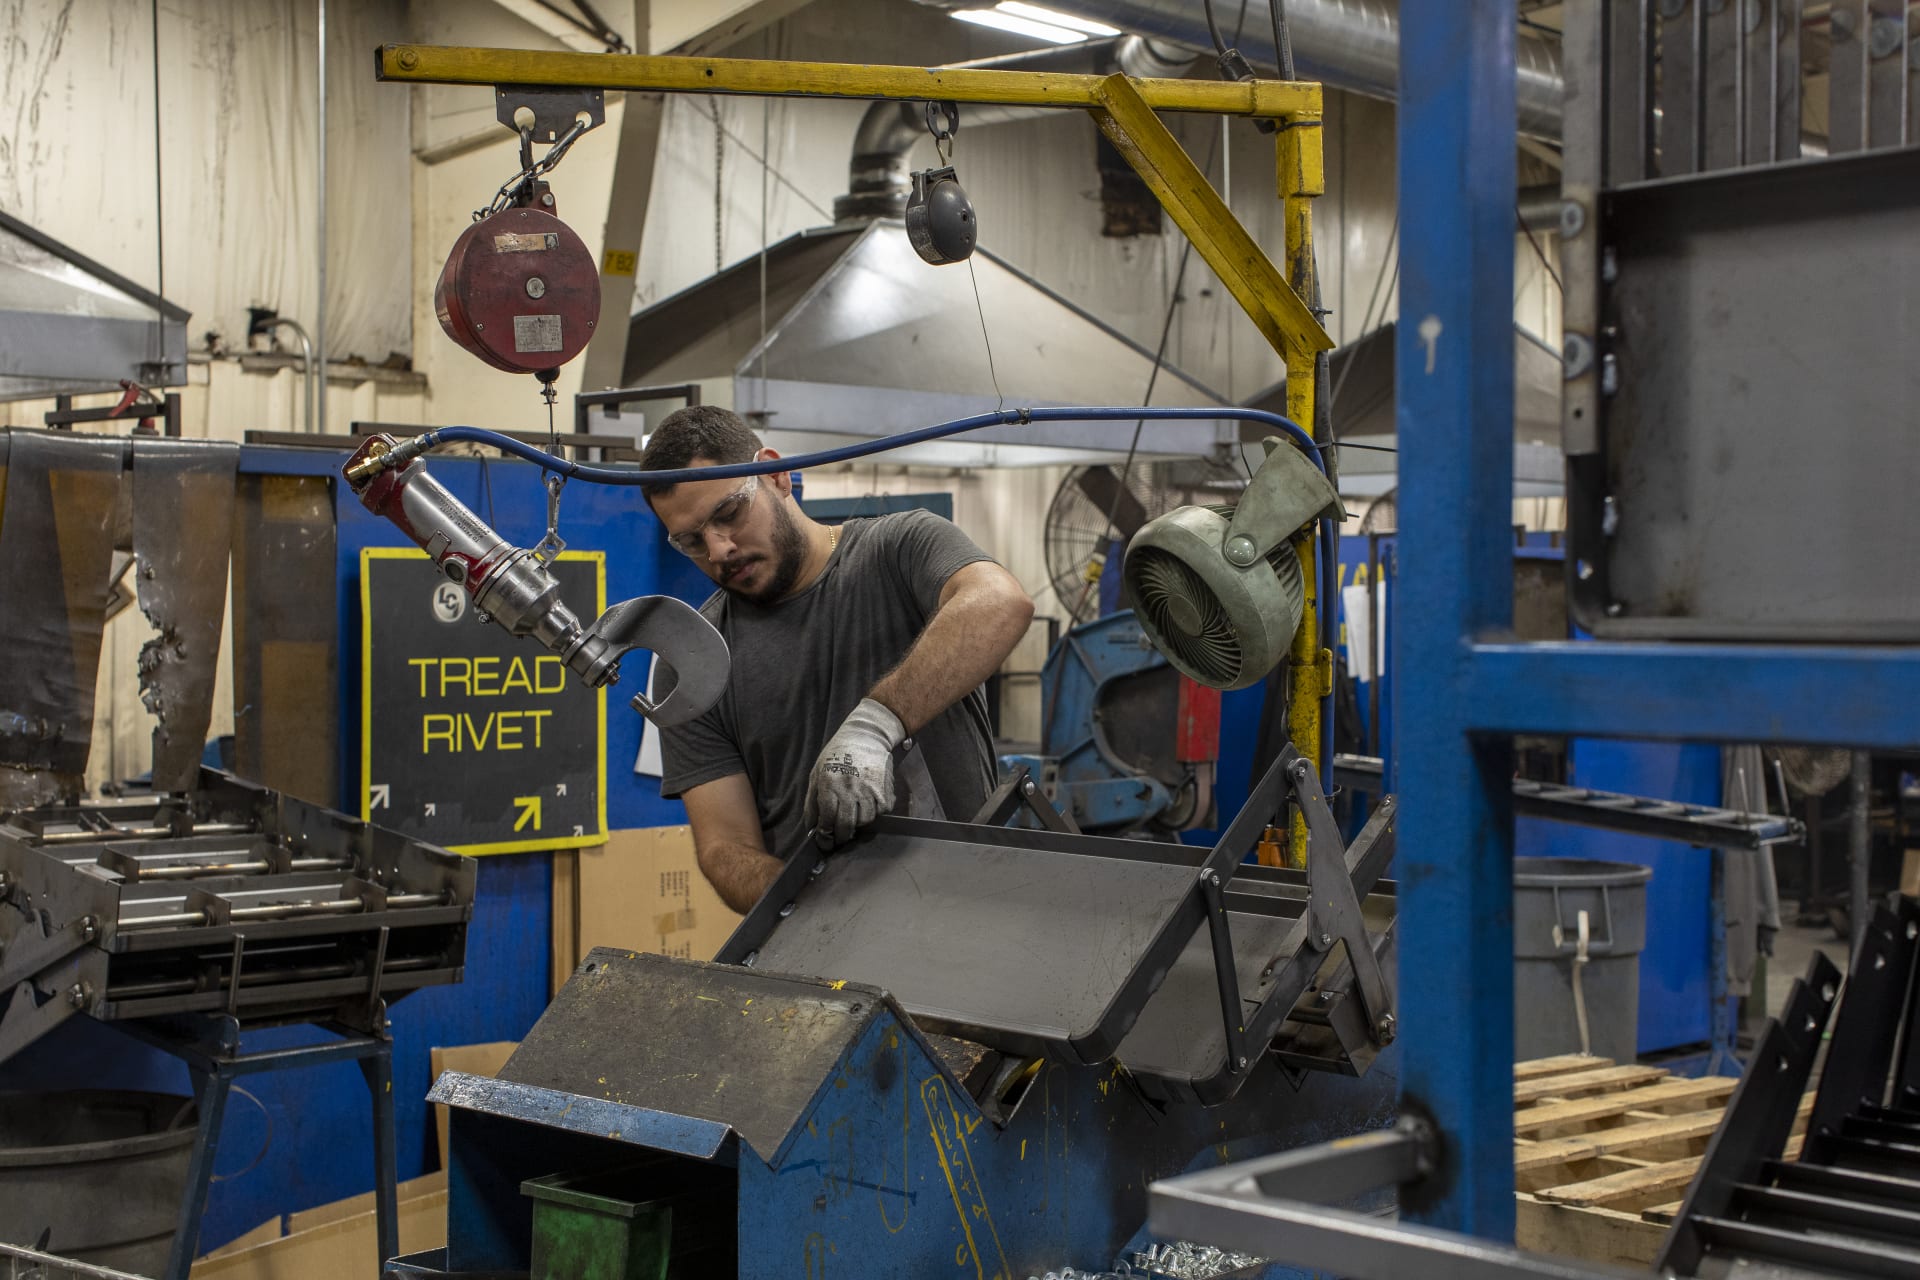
(863,339)
(69,325)
(1364,415)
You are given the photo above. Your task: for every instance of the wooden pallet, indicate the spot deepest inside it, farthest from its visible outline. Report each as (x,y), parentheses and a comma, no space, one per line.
(1603,1154)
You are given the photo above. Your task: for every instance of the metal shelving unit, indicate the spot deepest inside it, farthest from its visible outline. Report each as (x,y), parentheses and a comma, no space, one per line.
(1465,688)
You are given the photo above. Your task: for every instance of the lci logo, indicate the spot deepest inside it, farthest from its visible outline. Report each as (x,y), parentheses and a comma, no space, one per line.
(449,602)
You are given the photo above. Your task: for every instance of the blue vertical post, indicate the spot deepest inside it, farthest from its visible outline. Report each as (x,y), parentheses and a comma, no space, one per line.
(1454,383)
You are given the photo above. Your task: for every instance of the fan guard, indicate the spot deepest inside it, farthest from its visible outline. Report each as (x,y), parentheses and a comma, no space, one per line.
(1222,625)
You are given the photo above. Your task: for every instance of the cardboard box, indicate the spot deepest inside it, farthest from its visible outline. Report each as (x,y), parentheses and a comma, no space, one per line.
(339,1239)
(643,890)
(566,919)
(1910,873)
(474,1060)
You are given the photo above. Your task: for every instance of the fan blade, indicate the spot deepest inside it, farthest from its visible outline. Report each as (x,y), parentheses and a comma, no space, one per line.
(1102,486)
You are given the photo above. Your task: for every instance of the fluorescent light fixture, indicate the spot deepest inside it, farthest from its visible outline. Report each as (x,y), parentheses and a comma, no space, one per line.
(1055,18)
(1020,26)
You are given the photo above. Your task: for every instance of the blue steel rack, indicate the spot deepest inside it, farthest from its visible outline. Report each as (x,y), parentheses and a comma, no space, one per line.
(1464,687)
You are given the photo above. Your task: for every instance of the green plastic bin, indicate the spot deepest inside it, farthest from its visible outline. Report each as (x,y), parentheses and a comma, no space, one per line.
(584,1230)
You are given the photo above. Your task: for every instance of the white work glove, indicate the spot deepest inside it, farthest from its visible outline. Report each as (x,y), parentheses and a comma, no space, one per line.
(852,781)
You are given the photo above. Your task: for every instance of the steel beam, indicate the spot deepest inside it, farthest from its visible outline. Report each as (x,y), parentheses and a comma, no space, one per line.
(1856,696)
(767,77)
(1126,116)
(1454,392)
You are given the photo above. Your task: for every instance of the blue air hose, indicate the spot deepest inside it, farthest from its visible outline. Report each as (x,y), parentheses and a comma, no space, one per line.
(999,418)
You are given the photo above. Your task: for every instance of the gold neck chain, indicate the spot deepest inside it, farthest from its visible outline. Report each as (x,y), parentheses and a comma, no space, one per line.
(833,537)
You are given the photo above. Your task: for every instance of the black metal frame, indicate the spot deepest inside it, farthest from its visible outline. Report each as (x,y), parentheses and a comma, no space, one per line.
(1758,1119)
(1328,912)
(211,1050)
(1692,824)
(166,408)
(1850,1205)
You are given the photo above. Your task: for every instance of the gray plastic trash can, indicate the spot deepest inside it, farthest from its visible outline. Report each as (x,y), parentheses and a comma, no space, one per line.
(1549,896)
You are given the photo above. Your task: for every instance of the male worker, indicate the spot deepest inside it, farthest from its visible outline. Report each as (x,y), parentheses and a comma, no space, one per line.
(845,642)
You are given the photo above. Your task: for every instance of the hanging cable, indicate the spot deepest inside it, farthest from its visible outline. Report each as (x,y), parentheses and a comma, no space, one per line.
(1366,317)
(1213,29)
(1282,37)
(159,189)
(766,148)
(719,165)
(1538,252)
(1000,397)
(1153,377)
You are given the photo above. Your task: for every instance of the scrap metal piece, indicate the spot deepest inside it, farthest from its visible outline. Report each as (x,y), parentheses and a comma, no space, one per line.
(286,644)
(758,1072)
(56,546)
(183,499)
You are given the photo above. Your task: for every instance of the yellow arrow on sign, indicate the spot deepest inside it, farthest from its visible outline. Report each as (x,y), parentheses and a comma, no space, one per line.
(529,812)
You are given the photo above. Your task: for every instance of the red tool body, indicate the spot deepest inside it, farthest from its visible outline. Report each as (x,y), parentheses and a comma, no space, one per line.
(520,291)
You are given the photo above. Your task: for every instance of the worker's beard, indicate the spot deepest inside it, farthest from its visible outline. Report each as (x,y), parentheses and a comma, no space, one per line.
(788,558)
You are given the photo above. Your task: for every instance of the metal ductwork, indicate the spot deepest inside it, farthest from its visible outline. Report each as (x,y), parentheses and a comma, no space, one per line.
(878,175)
(1344,44)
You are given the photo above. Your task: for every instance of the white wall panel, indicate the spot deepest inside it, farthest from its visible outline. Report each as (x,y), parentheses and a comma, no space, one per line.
(237,113)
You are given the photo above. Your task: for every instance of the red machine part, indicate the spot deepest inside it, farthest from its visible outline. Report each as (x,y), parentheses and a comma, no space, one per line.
(461,545)
(520,290)
(1197,728)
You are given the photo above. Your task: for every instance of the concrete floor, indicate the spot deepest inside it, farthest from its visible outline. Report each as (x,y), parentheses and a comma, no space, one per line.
(1793,947)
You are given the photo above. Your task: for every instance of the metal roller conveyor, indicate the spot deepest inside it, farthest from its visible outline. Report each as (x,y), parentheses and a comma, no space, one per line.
(280,911)
(254,867)
(304,973)
(115,832)
(235,900)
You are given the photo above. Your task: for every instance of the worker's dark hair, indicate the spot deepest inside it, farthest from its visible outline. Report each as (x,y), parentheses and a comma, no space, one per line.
(697,433)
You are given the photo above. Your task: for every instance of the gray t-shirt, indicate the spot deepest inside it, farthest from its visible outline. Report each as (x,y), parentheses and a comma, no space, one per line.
(801,664)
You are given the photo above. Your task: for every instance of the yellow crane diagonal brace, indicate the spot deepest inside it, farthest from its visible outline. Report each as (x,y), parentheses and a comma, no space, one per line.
(1170,173)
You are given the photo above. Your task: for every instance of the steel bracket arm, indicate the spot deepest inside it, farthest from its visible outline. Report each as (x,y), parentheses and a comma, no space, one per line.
(1286,1207)
(1333,910)
(772,77)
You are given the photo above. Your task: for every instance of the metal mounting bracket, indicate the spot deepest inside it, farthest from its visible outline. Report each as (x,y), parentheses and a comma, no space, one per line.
(1286,494)
(554,110)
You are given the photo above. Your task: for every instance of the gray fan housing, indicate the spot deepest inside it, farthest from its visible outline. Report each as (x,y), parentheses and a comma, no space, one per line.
(1261,604)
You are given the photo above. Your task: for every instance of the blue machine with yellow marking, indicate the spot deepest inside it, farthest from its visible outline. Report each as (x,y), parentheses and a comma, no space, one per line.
(951,1048)
(1112,752)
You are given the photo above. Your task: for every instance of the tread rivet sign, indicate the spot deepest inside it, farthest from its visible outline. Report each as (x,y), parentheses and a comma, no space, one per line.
(471,738)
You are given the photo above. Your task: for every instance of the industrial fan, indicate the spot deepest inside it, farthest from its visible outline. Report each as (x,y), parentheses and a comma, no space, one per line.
(1814,771)
(1093,508)
(1218,589)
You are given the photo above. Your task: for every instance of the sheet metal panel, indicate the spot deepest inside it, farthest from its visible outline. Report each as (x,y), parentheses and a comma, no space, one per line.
(1760,435)
(56,547)
(183,501)
(989,933)
(760,1046)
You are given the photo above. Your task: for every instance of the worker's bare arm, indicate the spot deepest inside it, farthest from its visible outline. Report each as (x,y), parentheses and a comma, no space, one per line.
(727,841)
(983,613)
